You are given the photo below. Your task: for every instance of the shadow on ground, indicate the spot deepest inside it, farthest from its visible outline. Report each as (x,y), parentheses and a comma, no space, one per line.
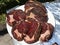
(3,32)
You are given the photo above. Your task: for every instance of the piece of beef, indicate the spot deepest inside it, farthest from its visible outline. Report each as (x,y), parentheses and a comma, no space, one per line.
(16,34)
(32,3)
(34,31)
(15,16)
(46,32)
(23,27)
(19,15)
(37,9)
(33,26)
(39,15)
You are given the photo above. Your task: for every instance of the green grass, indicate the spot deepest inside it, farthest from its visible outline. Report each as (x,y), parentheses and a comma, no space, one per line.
(2,18)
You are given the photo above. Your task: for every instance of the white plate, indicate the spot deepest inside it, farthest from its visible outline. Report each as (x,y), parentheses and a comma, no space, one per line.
(9,28)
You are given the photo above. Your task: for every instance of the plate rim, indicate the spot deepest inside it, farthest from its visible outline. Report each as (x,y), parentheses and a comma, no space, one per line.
(8,27)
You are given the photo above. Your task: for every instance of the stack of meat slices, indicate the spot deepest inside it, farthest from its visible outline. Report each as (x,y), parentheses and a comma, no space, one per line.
(30,25)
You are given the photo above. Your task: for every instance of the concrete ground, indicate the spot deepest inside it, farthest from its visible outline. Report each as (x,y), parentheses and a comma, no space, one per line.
(6,40)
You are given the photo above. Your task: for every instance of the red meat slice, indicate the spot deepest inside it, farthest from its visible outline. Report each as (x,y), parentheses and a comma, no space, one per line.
(34,31)
(19,14)
(33,26)
(47,31)
(23,27)
(15,16)
(16,34)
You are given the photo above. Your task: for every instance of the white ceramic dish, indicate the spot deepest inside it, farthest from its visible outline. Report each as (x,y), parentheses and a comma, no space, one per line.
(50,20)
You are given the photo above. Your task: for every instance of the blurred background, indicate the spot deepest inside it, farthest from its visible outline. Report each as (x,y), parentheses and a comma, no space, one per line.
(4,6)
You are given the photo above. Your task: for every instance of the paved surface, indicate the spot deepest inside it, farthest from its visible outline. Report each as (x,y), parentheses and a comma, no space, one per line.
(6,40)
